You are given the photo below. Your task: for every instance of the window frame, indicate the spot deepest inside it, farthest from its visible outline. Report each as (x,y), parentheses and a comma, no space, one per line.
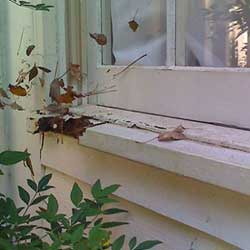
(221,96)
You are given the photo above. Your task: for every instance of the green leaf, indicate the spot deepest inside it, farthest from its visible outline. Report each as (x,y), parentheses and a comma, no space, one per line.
(98,222)
(96,189)
(96,237)
(9,158)
(44,182)
(52,205)
(77,234)
(39,199)
(148,244)
(114,211)
(113,224)
(132,243)
(76,195)
(32,185)
(118,243)
(24,195)
(109,190)
(82,245)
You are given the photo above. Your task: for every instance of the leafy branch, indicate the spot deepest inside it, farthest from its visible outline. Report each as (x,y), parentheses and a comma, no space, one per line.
(38,7)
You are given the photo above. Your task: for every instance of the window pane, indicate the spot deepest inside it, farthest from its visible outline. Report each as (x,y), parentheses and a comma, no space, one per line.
(134,28)
(213,33)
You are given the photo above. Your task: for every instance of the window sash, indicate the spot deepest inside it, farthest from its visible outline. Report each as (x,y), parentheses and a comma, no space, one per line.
(216,95)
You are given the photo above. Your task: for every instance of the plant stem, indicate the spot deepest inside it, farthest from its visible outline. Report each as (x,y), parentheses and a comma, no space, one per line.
(28,206)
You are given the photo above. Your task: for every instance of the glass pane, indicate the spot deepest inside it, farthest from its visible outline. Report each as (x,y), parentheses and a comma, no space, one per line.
(134,28)
(213,33)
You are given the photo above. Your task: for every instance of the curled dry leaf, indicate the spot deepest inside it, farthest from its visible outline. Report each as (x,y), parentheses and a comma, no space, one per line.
(30,49)
(33,73)
(17,90)
(133,25)
(46,70)
(42,82)
(16,106)
(175,135)
(28,163)
(55,89)
(68,97)
(3,93)
(75,71)
(101,39)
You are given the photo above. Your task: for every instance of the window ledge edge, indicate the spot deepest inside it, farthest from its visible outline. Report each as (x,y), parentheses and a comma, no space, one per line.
(223,167)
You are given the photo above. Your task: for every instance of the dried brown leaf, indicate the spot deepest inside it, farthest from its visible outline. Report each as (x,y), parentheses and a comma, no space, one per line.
(55,90)
(68,97)
(133,25)
(101,39)
(28,163)
(175,135)
(75,72)
(33,73)
(17,90)
(42,82)
(30,49)
(46,70)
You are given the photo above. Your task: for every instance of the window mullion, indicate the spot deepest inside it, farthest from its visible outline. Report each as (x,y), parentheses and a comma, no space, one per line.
(171,32)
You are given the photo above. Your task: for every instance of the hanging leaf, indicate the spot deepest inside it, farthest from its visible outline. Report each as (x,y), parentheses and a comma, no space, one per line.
(3,93)
(175,135)
(30,49)
(33,73)
(28,163)
(44,69)
(101,39)
(55,89)
(133,25)
(42,82)
(17,90)
(75,72)
(12,157)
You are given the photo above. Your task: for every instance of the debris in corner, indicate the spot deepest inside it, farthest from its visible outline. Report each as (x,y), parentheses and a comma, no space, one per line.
(65,125)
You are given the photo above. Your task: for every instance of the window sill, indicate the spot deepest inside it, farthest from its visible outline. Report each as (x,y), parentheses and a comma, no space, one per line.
(212,154)
(223,167)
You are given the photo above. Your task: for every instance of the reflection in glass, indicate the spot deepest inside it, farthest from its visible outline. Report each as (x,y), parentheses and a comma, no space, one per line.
(127,41)
(213,33)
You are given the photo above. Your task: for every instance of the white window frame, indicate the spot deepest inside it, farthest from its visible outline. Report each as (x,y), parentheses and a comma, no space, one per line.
(214,95)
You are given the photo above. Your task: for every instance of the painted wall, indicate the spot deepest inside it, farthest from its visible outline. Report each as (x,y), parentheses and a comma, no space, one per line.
(146,192)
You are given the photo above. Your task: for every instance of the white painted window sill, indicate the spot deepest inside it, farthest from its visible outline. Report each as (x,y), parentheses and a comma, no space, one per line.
(223,167)
(212,154)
